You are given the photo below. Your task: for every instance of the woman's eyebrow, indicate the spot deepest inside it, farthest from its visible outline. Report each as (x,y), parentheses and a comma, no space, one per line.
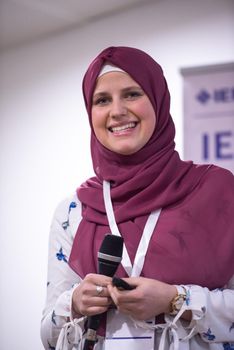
(100,94)
(128,88)
(133,87)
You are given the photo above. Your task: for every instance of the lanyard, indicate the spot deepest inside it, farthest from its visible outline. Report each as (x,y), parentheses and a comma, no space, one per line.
(135,270)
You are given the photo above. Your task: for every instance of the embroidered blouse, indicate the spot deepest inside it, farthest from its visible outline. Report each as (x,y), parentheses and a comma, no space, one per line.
(211,327)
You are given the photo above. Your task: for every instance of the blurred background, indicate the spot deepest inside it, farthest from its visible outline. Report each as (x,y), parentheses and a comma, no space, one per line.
(45,48)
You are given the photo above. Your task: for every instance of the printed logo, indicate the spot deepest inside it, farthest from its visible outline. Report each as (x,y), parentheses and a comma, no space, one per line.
(222,95)
(203,96)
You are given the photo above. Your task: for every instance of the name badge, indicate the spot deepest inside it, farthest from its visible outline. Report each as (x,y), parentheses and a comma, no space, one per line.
(122,333)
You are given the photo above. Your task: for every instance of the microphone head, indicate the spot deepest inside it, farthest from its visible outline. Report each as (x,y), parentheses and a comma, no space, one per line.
(112,245)
(110,254)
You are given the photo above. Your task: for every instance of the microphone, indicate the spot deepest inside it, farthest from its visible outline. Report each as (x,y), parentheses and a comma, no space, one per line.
(110,255)
(109,258)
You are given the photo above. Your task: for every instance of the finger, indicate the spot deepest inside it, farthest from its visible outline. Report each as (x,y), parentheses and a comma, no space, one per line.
(98,279)
(100,291)
(122,296)
(93,310)
(100,301)
(118,297)
(91,305)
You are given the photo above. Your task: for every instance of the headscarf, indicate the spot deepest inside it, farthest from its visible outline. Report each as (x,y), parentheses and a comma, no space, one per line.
(153,177)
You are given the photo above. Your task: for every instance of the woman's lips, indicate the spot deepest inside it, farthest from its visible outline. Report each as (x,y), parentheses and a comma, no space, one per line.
(124,127)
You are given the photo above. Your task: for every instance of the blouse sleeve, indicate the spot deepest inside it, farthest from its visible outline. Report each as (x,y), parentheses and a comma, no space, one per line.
(215,319)
(212,316)
(61,278)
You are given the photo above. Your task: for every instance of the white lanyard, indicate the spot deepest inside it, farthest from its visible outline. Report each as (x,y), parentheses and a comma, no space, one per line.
(135,270)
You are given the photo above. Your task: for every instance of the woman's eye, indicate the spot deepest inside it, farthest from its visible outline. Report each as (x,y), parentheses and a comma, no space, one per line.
(101,101)
(133,94)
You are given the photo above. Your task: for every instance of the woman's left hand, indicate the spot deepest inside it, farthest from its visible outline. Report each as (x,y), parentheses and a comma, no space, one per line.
(150,297)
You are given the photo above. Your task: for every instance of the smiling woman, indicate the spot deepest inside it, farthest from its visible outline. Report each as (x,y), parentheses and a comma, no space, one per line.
(175,218)
(123,117)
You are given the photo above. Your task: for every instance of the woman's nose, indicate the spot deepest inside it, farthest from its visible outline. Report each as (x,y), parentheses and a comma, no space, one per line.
(118,108)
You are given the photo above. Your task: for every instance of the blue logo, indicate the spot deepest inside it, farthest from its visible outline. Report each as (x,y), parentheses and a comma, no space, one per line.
(203,96)
(221,95)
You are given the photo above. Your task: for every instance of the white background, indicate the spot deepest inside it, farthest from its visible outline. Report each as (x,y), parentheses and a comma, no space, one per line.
(44,132)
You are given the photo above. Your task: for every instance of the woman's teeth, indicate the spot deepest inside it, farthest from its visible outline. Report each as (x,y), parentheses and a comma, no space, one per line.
(123,127)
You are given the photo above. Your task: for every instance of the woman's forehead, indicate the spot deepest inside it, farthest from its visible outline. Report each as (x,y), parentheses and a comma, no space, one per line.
(114,79)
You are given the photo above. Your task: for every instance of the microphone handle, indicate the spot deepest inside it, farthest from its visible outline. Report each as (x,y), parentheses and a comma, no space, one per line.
(91,335)
(89,344)
(109,258)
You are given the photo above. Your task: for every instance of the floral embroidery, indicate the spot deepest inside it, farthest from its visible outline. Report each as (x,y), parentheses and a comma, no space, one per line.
(65,224)
(71,206)
(209,335)
(60,256)
(53,317)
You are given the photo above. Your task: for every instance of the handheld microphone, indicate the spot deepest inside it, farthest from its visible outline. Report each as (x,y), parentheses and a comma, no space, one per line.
(109,258)
(110,255)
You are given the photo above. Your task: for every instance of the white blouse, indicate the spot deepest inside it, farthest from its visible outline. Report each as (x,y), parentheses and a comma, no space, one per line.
(211,327)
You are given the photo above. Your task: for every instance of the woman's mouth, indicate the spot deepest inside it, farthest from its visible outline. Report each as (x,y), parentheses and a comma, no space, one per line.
(120,128)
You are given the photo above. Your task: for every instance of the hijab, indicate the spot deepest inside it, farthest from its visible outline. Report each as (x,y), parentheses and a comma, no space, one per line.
(153,177)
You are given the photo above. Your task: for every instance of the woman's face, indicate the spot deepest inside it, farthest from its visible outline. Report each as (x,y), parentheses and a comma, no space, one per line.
(123,117)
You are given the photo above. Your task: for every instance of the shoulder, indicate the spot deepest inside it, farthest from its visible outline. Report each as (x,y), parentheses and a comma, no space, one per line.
(216,188)
(219,177)
(67,215)
(67,207)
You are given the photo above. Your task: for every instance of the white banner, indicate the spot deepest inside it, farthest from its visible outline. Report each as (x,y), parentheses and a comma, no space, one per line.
(209,114)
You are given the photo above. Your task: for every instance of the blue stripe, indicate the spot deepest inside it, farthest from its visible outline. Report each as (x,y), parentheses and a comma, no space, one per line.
(119,338)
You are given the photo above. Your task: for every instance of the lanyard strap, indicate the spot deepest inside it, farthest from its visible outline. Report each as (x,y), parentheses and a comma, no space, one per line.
(150,225)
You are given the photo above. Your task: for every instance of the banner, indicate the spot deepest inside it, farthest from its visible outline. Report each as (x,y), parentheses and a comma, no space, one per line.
(209,114)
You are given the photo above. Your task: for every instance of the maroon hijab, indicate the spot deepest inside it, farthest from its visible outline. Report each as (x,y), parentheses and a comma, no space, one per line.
(154,177)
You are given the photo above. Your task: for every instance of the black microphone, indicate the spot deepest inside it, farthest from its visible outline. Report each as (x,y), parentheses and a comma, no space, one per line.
(109,258)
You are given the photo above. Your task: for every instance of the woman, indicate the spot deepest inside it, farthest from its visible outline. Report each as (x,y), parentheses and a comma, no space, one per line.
(182,272)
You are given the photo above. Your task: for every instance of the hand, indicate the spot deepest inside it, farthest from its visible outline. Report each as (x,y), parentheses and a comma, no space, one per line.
(86,300)
(149,299)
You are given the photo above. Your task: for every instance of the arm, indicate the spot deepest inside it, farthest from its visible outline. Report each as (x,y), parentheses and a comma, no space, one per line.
(61,279)
(213,313)
(208,313)
(68,296)
(150,297)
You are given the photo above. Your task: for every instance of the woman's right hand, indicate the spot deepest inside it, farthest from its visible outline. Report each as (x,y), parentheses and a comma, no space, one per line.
(86,300)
